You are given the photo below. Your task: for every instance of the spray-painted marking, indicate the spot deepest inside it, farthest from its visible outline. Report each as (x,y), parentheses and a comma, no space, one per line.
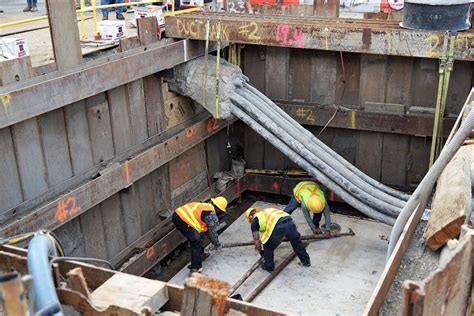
(250,31)
(288,37)
(462,42)
(306,114)
(353,119)
(189,133)
(66,209)
(150,253)
(6,100)
(127,172)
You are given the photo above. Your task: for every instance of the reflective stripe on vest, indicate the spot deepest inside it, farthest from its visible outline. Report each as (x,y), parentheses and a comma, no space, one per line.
(267,220)
(191,214)
(305,189)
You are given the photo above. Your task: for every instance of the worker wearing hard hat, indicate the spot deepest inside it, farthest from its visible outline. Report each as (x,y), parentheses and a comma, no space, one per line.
(309,195)
(273,225)
(193,220)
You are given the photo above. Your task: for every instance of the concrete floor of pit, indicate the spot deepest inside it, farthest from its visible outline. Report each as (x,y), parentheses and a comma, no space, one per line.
(340,281)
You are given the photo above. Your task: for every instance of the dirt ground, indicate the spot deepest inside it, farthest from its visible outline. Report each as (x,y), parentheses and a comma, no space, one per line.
(418,262)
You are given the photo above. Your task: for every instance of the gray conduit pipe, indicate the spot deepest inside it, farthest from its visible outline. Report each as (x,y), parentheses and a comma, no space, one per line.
(269,123)
(393,202)
(334,155)
(275,141)
(426,185)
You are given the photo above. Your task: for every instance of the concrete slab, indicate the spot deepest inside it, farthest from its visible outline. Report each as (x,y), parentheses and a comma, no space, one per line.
(340,281)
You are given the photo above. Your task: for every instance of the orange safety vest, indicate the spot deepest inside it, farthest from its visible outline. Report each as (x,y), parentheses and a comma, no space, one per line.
(191,214)
(305,189)
(267,220)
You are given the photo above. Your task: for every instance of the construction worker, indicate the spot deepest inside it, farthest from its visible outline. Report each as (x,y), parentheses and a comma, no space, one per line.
(193,220)
(309,195)
(273,225)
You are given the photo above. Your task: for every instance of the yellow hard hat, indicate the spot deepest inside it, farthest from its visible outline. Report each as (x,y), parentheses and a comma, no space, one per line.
(315,204)
(220,202)
(249,212)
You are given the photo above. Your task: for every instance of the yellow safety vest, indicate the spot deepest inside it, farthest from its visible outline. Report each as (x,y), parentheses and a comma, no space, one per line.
(267,220)
(305,189)
(191,214)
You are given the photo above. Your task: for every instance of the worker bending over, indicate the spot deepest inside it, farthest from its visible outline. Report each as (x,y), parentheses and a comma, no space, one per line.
(193,220)
(273,225)
(309,195)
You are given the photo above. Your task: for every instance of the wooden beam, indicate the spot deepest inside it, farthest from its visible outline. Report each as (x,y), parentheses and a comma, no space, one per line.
(452,200)
(307,113)
(61,88)
(346,35)
(154,253)
(114,178)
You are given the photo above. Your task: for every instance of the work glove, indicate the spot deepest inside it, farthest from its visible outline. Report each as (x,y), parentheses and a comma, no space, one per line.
(215,247)
(317,231)
(258,245)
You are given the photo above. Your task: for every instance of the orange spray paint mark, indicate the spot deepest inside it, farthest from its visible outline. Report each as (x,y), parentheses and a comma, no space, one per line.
(211,125)
(331,196)
(189,133)
(150,252)
(127,172)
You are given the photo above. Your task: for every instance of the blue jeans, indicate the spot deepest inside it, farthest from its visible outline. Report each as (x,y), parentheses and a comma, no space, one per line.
(195,239)
(32,3)
(285,227)
(117,9)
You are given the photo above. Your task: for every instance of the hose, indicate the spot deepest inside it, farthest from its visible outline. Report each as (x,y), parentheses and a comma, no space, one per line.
(426,185)
(39,249)
(269,123)
(303,163)
(394,203)
(327,149)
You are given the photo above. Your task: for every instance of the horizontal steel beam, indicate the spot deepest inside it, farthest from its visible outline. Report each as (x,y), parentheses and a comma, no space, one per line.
(346,35)
(313,114)
(32,97)
(114,178)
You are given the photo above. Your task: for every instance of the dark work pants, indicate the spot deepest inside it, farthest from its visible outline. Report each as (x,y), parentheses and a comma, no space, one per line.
(197,248)
(285,227)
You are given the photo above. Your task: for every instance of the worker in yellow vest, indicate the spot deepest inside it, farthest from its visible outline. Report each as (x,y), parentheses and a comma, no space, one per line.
(195,219)
(309,195)
(269,226)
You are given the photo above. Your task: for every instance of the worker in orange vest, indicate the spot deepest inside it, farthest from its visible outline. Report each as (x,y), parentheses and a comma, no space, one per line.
(309,195)
(269,226)
(193,220)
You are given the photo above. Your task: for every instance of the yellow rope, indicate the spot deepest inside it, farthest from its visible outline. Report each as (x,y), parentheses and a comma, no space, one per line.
(218,61)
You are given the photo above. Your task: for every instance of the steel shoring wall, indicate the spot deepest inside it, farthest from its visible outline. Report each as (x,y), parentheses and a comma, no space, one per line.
(253,108)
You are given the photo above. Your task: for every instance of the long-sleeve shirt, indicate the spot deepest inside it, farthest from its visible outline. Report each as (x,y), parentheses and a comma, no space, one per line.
(309,220)
(210,218)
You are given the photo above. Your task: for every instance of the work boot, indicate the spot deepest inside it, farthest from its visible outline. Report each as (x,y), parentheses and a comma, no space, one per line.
(120,16)
(264,267)
(34,9)
(191,270)
(27,9)
(105,16)
(305,264)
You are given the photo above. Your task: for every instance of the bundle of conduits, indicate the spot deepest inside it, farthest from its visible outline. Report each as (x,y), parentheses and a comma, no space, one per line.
(238,98)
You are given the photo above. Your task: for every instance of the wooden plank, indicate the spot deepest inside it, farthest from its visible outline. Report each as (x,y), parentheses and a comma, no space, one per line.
(254,65)
(276,73)
(418,159)
(323,77)
(369,154)
(136,101)
(130,199)
(273,158)
(120,120)
(372,79)
(187,166)
(459,86)
(308,32)
(452,201)
(161,192)
(55,146)
(112,225)
(254,149)
(348,77)
(64,33)
(299,76)
(445,290)
(178,109)
(399,72)
(26,139)
(213,157)
(345,143)
(307,113)
(147,206)
(188,190)
(425,74)
(92,227)
(394,159)
(60,88)
(116,177)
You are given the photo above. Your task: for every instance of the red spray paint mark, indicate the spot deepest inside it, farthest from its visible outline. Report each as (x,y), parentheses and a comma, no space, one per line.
(276,186)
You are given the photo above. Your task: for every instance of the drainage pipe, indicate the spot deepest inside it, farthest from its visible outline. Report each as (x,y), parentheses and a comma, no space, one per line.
(327,149)
(426,185)
(325,158)
(292,142)
(301,161)
(39,250)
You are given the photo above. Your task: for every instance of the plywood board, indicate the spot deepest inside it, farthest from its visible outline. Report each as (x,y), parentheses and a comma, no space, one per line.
(343,271)
(299,76)
(323,77)
(276,77)
(348,77)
